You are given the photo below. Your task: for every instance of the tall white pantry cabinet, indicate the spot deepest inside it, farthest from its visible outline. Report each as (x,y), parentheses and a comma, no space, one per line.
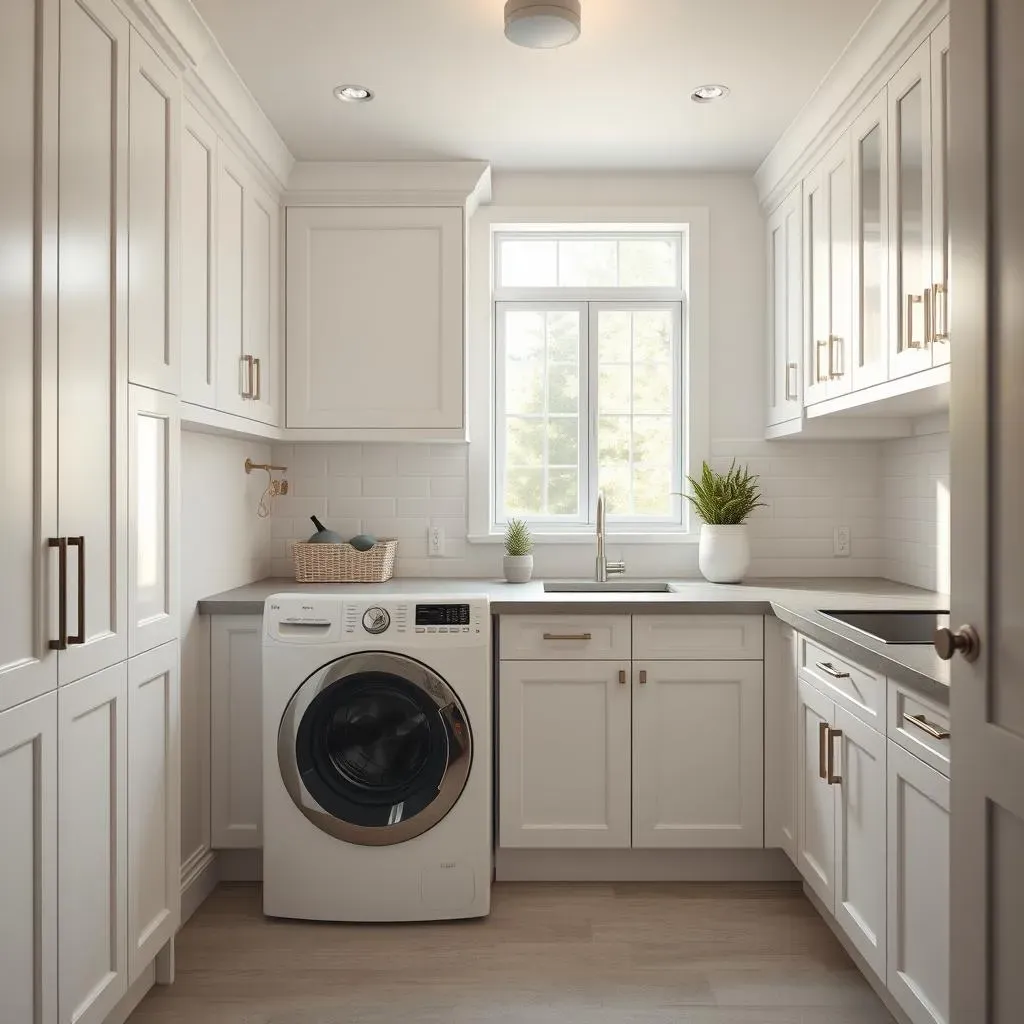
(89,352)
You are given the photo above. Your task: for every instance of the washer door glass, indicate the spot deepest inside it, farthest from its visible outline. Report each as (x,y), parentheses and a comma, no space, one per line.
(375,749)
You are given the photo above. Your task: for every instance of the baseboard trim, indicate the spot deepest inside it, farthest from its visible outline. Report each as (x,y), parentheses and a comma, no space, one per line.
(512,865)
(135,994)
(240,865)
(876,983)
(199,877)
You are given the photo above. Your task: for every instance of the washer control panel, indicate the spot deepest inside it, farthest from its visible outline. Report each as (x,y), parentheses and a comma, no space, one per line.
(376,620)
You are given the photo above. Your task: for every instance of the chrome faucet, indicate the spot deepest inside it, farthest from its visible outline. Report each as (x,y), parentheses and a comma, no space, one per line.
(604,567)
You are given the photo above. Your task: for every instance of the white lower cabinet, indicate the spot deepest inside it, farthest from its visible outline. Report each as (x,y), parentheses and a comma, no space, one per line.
(154,841)
(698,755)
(781,740)
(92,811)
(236,727)
(918,868)
(564,754)
(28,853)
(816,849)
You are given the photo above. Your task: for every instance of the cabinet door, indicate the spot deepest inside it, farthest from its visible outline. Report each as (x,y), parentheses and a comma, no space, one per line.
(839,179)
(780,737)
(816,856)
(154,811)
(375,318)
(92,858)
(918,885)
(941,252)
(28,346)
(910,229)
(564,754)
(261,287)
(154,129)
(93,315)
(859,756)
(154,471)
(817,287)
(869,137)
(234,371)
(698,755)
(236,731)
(198,259)
(786,309)
(28,853)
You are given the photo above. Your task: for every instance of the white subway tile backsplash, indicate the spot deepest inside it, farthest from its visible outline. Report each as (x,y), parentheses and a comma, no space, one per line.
(397,486)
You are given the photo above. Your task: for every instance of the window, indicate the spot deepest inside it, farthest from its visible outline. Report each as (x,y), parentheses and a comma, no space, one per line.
(590,339)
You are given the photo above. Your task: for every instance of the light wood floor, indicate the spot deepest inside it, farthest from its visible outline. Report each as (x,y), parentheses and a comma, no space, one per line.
(548,954)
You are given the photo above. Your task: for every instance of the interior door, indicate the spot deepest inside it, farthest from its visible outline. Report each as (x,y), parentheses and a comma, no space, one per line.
(93,320)
(28,347)
(816,854)
(987,772)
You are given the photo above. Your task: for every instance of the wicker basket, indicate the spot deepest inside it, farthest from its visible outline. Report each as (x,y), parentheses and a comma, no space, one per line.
(342,563)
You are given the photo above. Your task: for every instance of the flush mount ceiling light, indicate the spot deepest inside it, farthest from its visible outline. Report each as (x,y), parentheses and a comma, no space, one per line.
(354,93)
(708,93)
(542,26)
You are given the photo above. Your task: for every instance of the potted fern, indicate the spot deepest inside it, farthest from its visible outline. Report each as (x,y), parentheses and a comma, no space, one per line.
(723,501)
(518,552)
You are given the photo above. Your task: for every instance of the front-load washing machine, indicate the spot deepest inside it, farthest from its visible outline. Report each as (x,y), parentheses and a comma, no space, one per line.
(376,757)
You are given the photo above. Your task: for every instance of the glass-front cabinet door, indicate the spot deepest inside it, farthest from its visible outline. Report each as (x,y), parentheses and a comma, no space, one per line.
(940,196)
(910,166)
(869,355)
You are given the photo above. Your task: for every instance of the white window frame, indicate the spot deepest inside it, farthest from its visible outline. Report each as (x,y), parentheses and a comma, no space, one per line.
(693,352)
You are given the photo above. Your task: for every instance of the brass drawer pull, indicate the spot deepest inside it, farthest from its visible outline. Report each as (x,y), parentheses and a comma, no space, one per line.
(792,376)
(257,388)
(247,381)
(567,636)
(936,732)
(830,767)
(820,344)
(908,340)
(622,677)
(822,745)
(827,668)
(61,544)
(643,677)
(940,334)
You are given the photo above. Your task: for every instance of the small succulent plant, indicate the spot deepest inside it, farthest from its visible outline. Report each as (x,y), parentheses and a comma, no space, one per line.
(517,538)
(725,499)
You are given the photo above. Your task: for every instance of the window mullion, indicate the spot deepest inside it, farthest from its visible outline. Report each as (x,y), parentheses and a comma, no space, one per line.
(589,314)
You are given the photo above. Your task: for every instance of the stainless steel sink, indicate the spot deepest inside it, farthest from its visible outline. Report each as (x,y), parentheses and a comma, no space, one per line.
(611,587)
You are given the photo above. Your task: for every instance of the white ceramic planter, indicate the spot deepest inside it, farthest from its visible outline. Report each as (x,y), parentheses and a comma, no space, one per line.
(724,553)
(518,568)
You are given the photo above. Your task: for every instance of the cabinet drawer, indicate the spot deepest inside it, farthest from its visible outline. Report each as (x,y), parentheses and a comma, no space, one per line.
(860,690)
(913,721)
(698,637)
(564,637)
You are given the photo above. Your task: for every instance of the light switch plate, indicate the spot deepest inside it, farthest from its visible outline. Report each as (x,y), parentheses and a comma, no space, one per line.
(435,542)
(841,542)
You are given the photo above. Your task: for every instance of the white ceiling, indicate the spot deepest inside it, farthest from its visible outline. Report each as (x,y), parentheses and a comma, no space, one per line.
(450,86)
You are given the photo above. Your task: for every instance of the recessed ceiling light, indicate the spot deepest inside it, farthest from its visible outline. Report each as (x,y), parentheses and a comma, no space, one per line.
(354,93)
(542,26)
(707,93)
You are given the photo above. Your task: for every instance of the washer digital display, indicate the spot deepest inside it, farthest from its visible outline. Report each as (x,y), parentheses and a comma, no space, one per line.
(442,615)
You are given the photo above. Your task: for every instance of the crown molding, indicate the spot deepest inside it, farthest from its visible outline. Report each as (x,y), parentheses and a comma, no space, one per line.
(889,35)
(463,183)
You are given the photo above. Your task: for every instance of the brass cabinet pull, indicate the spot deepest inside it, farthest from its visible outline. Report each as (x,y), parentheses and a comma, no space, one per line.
(830,766)
(922,723)
(622,677)
(257,388)
(817,360)
(61,544)
(79,542)
(908,334)
(827,668)
(792,374)
(836,341)
(246,376)
(823,731)
(567,636)
(929,337)
(643,677)
(940,335)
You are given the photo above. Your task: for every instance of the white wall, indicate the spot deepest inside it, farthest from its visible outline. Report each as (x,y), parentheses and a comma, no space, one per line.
(915,474)
(400,490)
(224,544)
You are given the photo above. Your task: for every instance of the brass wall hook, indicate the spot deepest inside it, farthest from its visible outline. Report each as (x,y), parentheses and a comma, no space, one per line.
(275,488)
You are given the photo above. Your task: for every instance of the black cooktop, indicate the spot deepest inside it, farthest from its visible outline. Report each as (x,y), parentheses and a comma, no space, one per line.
(894,627)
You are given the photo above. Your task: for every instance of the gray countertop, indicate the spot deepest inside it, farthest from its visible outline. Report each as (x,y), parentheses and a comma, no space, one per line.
(797,602)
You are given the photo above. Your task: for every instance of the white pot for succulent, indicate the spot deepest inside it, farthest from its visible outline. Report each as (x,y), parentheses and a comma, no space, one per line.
(724,553)
(518,568)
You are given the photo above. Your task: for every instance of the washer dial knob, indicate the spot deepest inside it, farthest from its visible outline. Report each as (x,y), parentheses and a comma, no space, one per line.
(376,620)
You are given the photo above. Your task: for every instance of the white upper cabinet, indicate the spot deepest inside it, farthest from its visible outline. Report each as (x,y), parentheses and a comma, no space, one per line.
(93,319)
(828,229)
(869,349)
(154,104)
(28,347)
(198,259)
(785,309)
(375,320)
(940,195)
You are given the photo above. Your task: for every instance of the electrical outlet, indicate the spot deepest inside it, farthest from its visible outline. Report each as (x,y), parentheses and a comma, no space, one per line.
(435,542)
(841,542)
